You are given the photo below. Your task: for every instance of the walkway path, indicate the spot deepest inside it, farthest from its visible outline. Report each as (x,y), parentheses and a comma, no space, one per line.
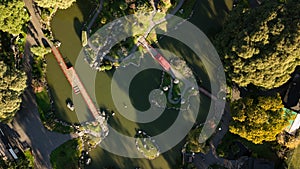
(207,93)
(27,121)
(211,157)
(151,26)
(78,87)
(70,73)
(28,124)
(95,16)
(203,161)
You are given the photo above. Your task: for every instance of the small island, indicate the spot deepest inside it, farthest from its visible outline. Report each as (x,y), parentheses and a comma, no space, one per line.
(146,145)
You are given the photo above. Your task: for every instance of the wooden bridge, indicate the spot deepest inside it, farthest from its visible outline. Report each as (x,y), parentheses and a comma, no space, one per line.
(156,55)
(166,65)
(78,86)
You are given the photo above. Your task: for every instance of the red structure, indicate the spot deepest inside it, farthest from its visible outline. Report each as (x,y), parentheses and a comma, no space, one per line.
(160,59)
(156,55)
(75,82)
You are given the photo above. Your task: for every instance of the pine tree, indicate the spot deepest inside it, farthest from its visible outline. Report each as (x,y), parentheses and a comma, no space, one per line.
(12,85)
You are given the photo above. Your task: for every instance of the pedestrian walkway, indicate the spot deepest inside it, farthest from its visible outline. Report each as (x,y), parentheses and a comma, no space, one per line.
(78,87)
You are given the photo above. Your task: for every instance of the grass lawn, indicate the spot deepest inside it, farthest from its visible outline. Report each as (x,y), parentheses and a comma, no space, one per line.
(67,155)
(43,102)
(294,161)
(47,117)
(150,151)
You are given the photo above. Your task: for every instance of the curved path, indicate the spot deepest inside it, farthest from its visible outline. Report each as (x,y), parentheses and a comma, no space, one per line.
(152,25)
(27,121)
(203,161)
(29,126)
(95,16)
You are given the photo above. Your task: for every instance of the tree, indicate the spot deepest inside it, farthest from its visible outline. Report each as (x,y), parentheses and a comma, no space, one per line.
(193,144)
(22,163)
(39,63)
(12,84)
(13,16)
(40,51)
(258,119)
(61,4)
(261,46)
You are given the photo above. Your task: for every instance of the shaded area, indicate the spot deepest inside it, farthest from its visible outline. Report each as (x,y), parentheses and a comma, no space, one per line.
(66,29)
(141,86)
(27,123)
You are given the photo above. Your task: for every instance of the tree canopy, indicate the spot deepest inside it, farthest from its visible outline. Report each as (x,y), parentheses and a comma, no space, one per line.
(193,144)
(261,46)
(39,63)
(13,16)
(259,119)
(12,84)
(61,4)
(40,50)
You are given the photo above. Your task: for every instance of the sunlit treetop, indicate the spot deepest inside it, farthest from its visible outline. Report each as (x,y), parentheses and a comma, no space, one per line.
(61,4)
(13,16)
(261,46)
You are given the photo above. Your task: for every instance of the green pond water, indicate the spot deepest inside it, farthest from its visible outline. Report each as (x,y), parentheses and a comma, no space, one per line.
(66,26)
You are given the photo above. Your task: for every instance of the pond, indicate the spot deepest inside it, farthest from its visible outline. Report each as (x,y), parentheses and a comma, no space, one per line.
(66,26)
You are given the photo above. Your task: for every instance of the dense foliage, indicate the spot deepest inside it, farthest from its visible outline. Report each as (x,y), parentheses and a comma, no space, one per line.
(13,19)
(40,51)
(39,63)
(13,16)
(193,144)
(261,46)
(12,84)
(258,119)
(21,163)
(61,4)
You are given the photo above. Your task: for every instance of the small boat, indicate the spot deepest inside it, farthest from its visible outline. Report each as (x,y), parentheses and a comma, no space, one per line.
(70,105)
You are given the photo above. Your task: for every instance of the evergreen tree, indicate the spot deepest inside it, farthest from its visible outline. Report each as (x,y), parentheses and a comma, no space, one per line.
(261,46)
(13,16)
(193,144)
(12,84)
(40,51)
